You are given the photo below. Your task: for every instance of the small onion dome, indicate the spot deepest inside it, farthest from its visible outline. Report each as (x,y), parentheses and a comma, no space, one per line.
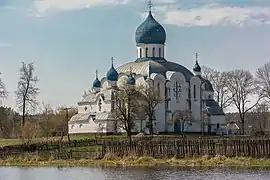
(96,83)
(131,80)
(112,74)
(150,32)
(197,67)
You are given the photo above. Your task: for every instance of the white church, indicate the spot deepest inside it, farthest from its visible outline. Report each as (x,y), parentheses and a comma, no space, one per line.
(182,90)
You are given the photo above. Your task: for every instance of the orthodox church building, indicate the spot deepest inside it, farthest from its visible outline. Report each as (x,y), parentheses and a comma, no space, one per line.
(182,90)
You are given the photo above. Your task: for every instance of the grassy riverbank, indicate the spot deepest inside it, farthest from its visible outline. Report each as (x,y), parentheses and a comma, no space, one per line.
(139,161)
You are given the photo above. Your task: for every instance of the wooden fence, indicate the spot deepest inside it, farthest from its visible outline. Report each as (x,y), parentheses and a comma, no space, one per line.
(190,148)
(158,148)
(47,146)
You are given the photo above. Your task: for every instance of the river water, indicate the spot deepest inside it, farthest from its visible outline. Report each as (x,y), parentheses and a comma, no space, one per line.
(89,173)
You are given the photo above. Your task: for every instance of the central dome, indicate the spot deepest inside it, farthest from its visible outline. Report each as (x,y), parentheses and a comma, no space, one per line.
(150,32)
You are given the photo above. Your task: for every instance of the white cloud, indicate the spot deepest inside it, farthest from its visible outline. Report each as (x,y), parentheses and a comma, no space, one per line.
(213,15)
(191,13)
(42,6)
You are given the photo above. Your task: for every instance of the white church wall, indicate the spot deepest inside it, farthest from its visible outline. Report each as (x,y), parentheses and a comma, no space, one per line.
(178,99)
(104,83)
(110,126)
(178,94)
(103,107)
(194,127)
(218,119)
(195,88)
(85,108)
(168,86)
(90,127)
(159,86)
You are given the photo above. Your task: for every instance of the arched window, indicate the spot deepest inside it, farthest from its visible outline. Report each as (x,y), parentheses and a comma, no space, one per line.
(140,52)
(146,52)
(154,52)
(166,92)
(194,91)
(177,90)
(159,52)
(113,101)
(99,104)
(158,87)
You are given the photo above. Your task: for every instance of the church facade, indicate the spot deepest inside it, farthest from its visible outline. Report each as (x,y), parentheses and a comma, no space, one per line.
(182,90)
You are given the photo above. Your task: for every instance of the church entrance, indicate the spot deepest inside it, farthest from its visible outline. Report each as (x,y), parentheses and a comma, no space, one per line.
(179,127)
(179,118)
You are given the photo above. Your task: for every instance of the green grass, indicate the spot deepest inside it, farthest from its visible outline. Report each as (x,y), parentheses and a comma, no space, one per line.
(8,142)
(85,148)
(140,161)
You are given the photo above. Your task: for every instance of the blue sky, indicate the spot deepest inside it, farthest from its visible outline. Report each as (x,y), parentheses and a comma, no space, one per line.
(69,39)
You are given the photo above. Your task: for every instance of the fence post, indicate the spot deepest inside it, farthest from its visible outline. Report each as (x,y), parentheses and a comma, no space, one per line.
(178,149)
(70,154)
(58,152)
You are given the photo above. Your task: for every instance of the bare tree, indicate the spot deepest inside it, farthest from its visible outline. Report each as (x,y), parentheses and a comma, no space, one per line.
(242,85)
(260,118)
(47,114)
(3,121)
(67,113)
(263,79)
(3,90)
(180,117)
(125,108)
(149,100)
(27,91)
(219,81)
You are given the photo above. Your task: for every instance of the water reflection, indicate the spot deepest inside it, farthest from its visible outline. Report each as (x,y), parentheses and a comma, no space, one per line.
(87,173)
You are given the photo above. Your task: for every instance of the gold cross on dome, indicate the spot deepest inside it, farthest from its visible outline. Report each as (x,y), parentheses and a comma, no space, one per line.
(112,59)
(96,73)
(197,56)
(130,70)
(150,5)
